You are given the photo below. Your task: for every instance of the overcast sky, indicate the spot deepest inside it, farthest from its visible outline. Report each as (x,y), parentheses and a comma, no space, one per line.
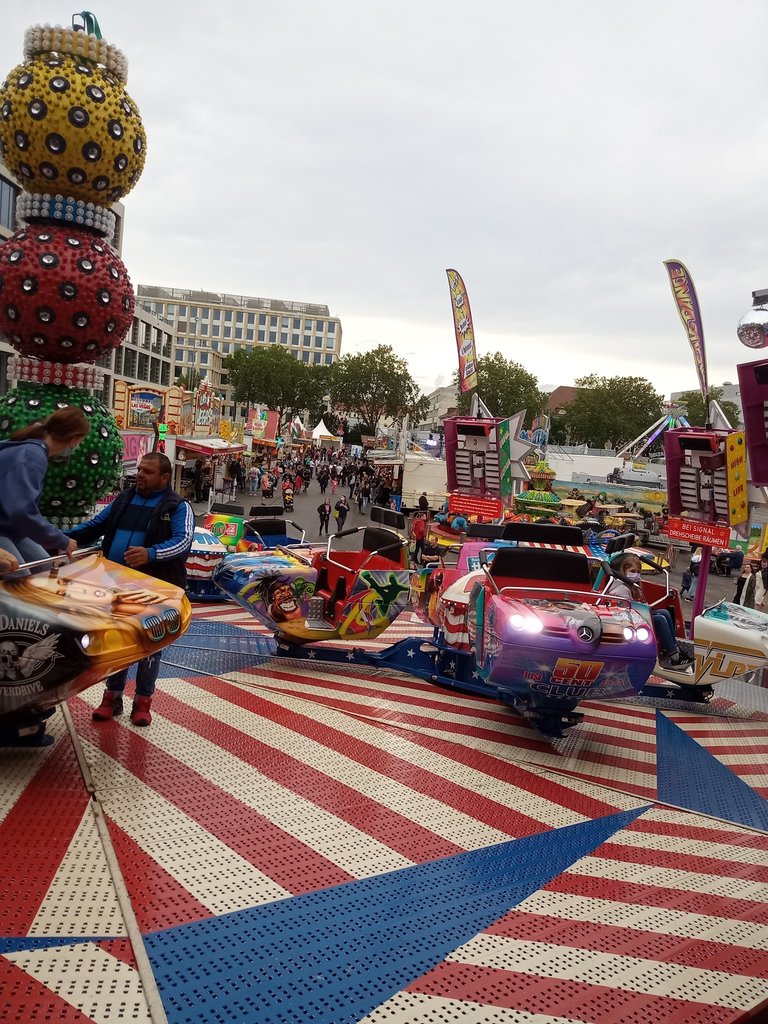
(348,152)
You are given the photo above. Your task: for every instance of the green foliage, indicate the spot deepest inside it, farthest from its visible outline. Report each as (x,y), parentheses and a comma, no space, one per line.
(696,413)
(376,385)
(190,380)
(505,386)
(274,378)
(610,408)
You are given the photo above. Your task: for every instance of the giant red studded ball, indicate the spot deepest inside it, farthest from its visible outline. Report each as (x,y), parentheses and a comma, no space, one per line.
(65,294)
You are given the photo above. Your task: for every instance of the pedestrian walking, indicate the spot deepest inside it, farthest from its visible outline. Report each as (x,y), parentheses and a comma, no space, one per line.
(324,512)
(342,511)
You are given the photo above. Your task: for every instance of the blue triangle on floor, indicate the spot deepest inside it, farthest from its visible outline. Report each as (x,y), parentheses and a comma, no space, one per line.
(689,776)
(334,955)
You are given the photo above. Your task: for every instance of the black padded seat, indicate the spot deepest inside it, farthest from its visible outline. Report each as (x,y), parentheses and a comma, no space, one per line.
(485,531)
(618,544)
(227,509)
(543,564)
(387,545)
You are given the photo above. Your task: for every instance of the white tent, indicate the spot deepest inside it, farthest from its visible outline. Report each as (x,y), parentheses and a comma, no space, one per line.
(322,435)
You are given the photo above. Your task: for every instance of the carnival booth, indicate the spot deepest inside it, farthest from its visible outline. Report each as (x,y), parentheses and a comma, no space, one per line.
(215,450)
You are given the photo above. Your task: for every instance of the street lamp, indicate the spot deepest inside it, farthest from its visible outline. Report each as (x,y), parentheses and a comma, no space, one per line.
(753,326)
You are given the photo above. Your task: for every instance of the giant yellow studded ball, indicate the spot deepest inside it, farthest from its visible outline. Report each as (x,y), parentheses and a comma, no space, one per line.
(68,126)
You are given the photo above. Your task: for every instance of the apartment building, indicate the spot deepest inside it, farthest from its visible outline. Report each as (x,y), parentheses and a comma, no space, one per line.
(209,326)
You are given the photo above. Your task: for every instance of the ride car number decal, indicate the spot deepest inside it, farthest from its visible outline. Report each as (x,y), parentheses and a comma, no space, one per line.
(568,670)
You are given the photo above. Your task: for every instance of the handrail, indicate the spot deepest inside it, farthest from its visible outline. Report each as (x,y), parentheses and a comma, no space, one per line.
(54,560)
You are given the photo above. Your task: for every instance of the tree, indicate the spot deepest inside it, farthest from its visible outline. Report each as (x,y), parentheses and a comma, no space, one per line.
(376,385)
(506,387)
(696,413)
(190,380)
(615,408)
(267,376)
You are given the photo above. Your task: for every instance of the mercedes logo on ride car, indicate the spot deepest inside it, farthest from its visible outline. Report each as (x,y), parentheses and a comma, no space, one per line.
(585,633)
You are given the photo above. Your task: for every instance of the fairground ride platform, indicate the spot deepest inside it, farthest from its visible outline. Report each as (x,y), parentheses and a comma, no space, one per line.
(292,842)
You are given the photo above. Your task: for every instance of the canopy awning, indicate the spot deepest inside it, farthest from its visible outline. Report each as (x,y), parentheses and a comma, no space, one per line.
(209,446)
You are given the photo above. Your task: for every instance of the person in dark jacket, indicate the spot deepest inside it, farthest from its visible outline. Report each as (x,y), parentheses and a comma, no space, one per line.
(24,532)
(148,527)
(324,512)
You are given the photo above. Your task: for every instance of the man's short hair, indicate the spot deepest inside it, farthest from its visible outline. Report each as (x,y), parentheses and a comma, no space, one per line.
(163,462)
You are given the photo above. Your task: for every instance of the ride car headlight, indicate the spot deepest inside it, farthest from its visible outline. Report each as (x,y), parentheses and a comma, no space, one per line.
(85,641)
(629,633)
(643,633)
(528,624)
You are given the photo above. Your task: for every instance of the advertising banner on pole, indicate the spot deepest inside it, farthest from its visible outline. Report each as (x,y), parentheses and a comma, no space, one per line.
(687,304)
(465,334)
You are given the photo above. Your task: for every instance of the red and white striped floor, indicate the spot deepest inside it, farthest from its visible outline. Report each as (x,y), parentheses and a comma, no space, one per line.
(123,849)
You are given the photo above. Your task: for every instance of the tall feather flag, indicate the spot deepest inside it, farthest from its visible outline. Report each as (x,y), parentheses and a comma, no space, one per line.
(465,334)
(687,304)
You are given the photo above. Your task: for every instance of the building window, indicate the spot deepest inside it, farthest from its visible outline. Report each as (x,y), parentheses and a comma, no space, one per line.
(328,360)
(251,319)
(143,367)
(217,314)
(262,336)
(294,339)
(262,319)
(179,355)
(330,342)
(297,325)
(227,316)
(318,342)
(203,357)
(240,317)
(183,311)
(8,194)
(249,334)
(191,356)
(319,326)
(129,363)
(285,322)
(226,347)
(273,336)
(284,337)
(170,310)
(227,331)
(182,328)
(331,328)
(216,330)
(307,339)
(165,375)
(206,314)
(215,346)
(318,357)
(273,321)
(193,312)
(305,357)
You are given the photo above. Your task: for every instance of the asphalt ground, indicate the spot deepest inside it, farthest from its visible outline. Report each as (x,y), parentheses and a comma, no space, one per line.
(305,514)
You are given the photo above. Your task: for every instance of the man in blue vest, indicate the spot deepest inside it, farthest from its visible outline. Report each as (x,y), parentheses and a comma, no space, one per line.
(148,527)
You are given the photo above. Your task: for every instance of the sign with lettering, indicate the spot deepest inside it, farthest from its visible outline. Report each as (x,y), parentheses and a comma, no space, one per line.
(736,475)
(468,505)
(708,534)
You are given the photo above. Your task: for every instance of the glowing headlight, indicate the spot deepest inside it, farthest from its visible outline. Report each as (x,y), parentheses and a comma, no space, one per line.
(527,623)
(643,634)
(629,633)
(85,641)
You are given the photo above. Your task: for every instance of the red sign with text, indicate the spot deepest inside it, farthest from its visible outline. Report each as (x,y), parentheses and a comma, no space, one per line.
(709,534)
(468,505)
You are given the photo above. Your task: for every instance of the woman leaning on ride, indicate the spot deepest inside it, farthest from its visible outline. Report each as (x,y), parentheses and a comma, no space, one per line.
(750,590)
(24,532)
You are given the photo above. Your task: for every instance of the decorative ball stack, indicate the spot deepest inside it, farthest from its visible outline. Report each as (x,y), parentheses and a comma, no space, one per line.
(73,138)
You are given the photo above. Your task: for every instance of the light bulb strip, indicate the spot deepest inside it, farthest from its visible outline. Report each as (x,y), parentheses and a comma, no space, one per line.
(56,39)
(31,206)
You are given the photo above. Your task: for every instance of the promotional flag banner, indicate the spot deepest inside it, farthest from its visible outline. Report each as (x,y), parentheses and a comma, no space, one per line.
(688,308)
(465,335)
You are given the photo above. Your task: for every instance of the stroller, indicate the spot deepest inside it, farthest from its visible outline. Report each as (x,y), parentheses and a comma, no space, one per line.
(288,499)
